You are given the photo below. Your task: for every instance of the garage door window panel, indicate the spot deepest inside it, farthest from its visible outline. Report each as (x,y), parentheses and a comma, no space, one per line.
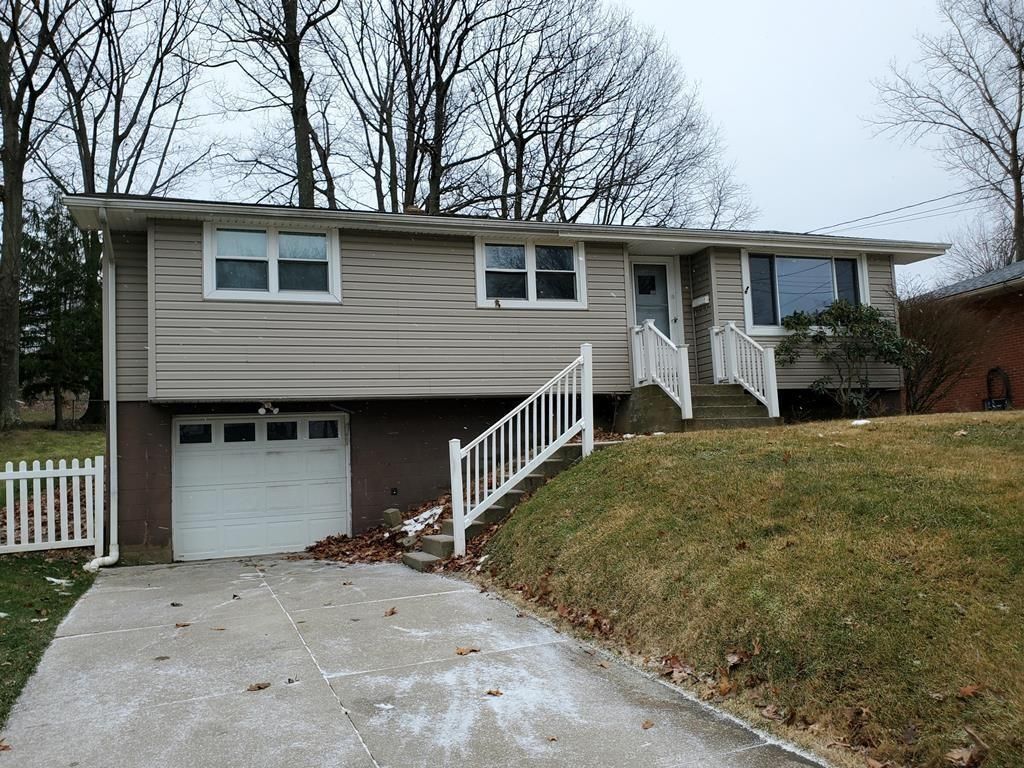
(323,429)
(240,432)
(195,434)
(282,430)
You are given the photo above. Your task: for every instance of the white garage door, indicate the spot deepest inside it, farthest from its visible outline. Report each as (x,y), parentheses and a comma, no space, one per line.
(256,485)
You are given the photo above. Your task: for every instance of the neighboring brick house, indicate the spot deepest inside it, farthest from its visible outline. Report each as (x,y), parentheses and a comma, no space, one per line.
(999,297)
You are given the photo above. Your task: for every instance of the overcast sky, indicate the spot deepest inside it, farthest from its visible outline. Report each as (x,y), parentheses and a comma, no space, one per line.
(790,84)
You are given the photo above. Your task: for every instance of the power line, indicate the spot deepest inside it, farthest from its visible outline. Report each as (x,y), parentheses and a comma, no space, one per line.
(897,210)
(952,208)
(917,218)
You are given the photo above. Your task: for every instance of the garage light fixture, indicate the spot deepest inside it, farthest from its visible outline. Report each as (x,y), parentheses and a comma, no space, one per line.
(267,407)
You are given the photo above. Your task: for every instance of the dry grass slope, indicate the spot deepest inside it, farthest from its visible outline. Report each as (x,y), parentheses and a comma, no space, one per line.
(878,567)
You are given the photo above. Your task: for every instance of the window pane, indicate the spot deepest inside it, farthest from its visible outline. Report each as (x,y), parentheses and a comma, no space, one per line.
(846,281)
(762,290)
(805,285)
(296,245)
(240,433)
(247,243)
(506,285)
(505,256)
(302,276)
(190,434)
(235,275)
(556,285)
(282,430)
(323,429)
(555,257)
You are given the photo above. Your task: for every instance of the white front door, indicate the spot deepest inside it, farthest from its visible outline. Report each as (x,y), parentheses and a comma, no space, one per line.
(249,485)
(656,294)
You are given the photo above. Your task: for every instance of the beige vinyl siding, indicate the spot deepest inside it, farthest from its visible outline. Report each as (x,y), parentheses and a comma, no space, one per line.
(132,301)
(703,316)
(687,315)
(408,327)
(800,375)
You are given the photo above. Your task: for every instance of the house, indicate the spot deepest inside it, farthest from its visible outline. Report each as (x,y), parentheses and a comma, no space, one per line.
(282,373)
(995,379)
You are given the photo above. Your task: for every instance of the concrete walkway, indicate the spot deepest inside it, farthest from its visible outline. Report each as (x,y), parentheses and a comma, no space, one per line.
(151,669)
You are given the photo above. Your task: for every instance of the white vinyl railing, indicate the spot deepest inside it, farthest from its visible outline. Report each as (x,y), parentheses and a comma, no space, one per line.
(527,436)
(738,359)
(48,507)
(658,360)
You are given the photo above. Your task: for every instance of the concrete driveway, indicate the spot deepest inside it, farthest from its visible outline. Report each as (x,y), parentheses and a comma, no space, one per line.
(151,669)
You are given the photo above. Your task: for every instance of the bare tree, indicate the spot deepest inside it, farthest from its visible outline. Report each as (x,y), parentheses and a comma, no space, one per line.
(272,43)
(29,63)
(947,341)
(969,93)
(981,247)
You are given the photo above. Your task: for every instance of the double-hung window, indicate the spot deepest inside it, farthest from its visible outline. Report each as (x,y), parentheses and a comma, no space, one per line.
(530,273)
(271,264)
(780,286)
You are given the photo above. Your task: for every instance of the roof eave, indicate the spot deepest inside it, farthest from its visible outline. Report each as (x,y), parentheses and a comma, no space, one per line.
(84,210)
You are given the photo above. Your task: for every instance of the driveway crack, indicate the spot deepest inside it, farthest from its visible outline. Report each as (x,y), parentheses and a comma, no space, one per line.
(320,669)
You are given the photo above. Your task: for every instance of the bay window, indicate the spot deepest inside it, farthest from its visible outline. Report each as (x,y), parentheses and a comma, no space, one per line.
(780,286)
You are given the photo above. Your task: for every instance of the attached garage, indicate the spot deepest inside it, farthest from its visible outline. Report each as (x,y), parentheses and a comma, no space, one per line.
(247,485)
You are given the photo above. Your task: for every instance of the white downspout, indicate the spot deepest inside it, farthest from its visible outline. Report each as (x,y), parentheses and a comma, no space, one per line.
(110,376)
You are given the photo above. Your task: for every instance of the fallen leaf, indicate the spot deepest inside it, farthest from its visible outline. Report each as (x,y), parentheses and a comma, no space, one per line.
(235,597)
(161,658)
(4,746)
(290,680)
(258,686)
(741,545)
(771,712)
(960,433)
(465,651)
(965,757)
(175,605)
(182,624)
(552,738)
(218,629)
(495,692)
(391,611)
(647,724)
(872,763)
(603,664)
(910,734)
(969,691)
(346,583)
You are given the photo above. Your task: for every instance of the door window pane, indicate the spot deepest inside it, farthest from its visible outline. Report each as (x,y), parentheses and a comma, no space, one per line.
(191,434)
(282,430)
(238,275)
(650,282)
(556,285)
(244,243)
(243,432)
(323,429)
(506,285)
(305,246)
(762,290)
(846,281)
(505,256)
(303,276)
(805,285)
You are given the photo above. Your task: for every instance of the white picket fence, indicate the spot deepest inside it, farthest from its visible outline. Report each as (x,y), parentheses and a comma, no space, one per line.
(52,507)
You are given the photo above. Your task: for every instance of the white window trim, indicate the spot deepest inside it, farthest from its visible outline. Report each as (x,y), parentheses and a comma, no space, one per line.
(779,330)
(210,290)
(531,302)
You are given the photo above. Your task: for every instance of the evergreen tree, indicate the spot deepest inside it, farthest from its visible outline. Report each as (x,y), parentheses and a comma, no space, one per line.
(60,309)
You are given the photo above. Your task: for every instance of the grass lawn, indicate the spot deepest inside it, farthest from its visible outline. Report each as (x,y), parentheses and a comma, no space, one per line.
(857,589)
(34,608)
(35,441)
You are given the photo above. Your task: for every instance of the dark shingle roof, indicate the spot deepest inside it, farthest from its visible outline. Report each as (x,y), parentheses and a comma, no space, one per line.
(1008,274)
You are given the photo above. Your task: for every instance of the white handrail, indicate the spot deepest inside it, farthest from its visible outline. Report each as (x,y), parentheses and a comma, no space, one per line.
(496,461)
(659,360)
(738,359)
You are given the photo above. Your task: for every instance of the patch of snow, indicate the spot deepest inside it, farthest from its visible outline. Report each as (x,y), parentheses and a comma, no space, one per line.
(414,525)
(657,434)
(628,436)
(860,422)
(384,706)
(4,615)
(59,582)
(38,621)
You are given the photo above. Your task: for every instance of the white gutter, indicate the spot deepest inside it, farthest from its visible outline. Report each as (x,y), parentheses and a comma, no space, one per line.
(140,209)
(110,375)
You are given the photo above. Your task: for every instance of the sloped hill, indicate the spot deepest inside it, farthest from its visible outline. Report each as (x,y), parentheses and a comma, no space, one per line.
(868,581)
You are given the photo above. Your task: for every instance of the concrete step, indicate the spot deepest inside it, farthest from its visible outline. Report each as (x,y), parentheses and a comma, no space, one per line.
(513,497)
(533,481)
(717,389)
(722,398)
(420,561)
(473,530)
(493,515)
(752,409)
(697,425)
(438,545)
